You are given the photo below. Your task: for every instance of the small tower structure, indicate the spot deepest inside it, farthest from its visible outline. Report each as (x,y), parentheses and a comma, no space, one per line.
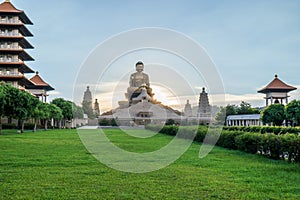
(276,91)
(204,109)
(96,108)
(188,112)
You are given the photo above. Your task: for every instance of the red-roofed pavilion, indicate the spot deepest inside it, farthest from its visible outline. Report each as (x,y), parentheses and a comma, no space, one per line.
(276,91)
(39,88)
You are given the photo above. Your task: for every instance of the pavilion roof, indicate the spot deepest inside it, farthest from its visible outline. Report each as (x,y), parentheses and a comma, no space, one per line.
(277,85)
(40,83)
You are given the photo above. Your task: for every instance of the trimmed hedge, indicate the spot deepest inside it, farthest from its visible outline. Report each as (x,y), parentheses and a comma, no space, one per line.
(283,146)
(8,126)
(264,129)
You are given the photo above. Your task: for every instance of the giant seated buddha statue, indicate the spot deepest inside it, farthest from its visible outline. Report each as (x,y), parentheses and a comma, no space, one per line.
(138,80)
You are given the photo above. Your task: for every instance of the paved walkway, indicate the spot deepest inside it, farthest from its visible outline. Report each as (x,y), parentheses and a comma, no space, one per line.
(88,127)
(112,127)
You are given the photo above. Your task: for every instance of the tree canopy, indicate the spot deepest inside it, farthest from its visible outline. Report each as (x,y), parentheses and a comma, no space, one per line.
(274,113)
(243,108)
(22,105)
(293,112)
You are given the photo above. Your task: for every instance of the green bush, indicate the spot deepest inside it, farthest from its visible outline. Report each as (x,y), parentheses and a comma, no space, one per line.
(169,130)
(28,126)
(290,144)
(227,139)
(8,126)
(170,122)
(248,142)
(104,122)
(255,129)
(271,145)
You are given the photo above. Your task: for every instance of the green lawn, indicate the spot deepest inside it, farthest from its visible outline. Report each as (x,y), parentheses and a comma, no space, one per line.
(55,165)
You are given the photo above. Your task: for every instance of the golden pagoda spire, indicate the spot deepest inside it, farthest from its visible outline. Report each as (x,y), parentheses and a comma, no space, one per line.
(7,0)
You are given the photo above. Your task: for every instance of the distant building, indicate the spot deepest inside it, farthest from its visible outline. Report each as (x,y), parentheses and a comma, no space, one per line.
(204,109)
(96,108)
(276,91)
(244,120)
(87,103)
(188,111)
(87,96)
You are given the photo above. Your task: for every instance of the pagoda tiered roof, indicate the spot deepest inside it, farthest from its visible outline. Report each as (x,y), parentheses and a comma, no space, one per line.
(277,85)
(8,7)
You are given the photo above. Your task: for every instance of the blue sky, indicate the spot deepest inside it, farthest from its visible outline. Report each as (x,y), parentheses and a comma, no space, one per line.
(249,41)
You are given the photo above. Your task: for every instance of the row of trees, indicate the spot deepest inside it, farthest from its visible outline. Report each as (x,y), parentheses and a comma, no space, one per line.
(274,114)
(277,113)
(22,106)
(243,108)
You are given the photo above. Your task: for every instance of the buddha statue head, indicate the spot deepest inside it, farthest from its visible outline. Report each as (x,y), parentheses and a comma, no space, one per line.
(139,66)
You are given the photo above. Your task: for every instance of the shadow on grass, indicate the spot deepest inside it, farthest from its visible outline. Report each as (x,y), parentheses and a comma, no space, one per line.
(13,131)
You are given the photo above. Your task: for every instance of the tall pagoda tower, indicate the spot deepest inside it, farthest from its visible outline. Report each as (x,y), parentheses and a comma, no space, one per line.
(204,109)
(276,91)
(87,103)
(13,43)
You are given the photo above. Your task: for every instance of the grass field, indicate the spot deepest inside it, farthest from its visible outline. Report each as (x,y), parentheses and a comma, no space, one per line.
(55,165)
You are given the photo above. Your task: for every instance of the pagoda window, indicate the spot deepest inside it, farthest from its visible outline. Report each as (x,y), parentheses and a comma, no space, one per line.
(15,32)
(16,58)
(15,45)
(10,19)
(2,45)
(9,58)
(9,45)
(3,18)
(2,32)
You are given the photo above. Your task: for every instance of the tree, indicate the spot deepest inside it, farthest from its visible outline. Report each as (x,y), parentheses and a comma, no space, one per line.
(224,112)
(231,110)
(2,102)
(66,107)
(293,112)
(19,104)
(274,113)
(37,114)
(44,107)
(55,114)
(245,108)
(77,111)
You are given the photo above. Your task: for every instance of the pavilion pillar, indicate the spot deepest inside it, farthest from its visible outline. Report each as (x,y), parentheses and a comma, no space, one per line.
(271,100)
